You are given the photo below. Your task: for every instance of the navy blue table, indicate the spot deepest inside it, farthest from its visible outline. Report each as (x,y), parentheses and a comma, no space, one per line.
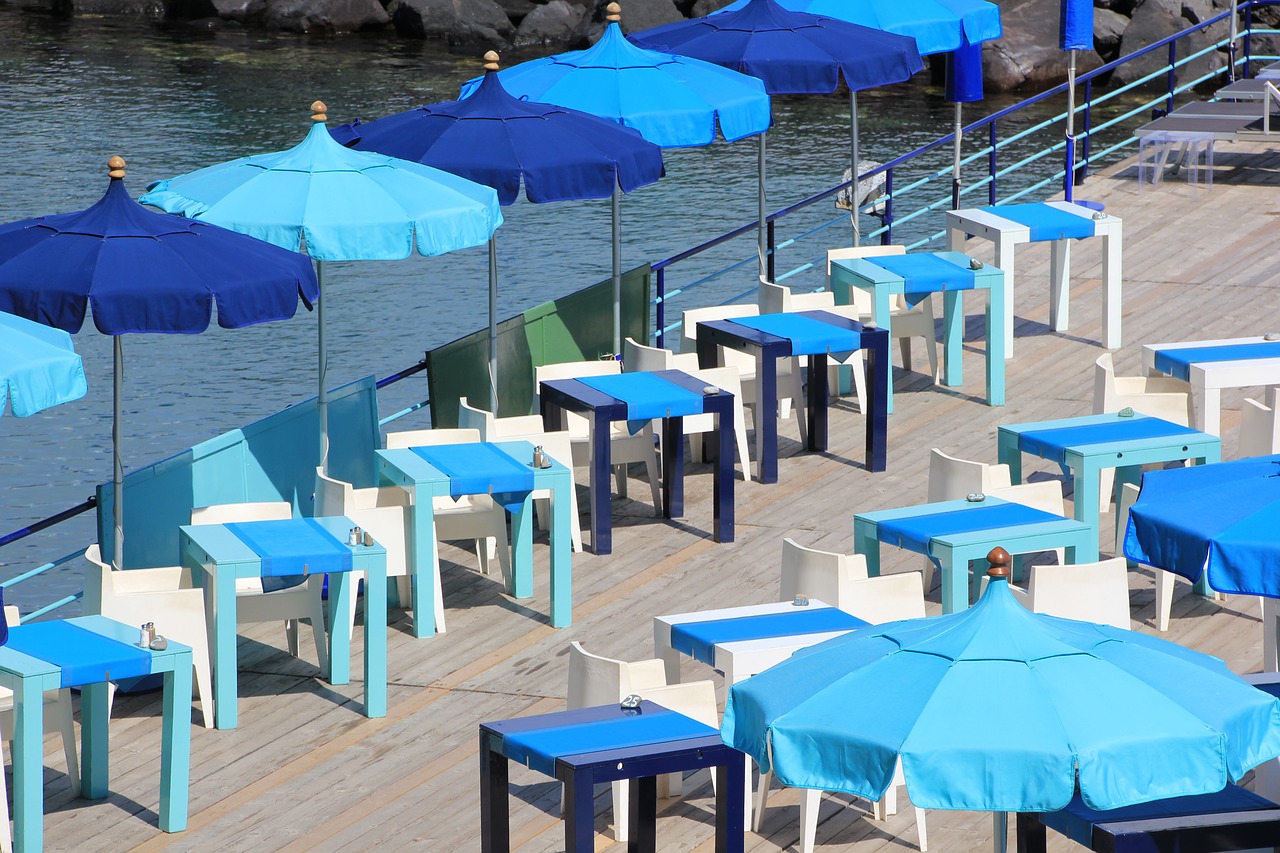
(591,746)
(576,395)
(1232,819)
(771,346)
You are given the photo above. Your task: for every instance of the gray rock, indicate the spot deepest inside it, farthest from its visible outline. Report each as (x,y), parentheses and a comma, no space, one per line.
(1198,11)
(324,16)
(1149,24)
(517,10)
(460,22)
(1027,56)
(1120,7)
(1108,27)
(636,15)
(1173,7)
(553,23)
(702,8)
(143,8)
(240,10)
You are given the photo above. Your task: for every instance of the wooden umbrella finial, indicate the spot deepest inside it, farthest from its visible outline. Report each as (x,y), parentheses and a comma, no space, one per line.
(1000,561)
(613,13)
(115,168)
(491,60)
(318,111)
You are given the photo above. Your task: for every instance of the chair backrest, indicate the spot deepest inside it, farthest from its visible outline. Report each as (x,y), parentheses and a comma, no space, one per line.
(952,478)
(638,358)
(857,296)
(777,298)
(429,437)
(695,699)
(576,369)
(823,575)
(886,598)
(726,379)
(1090,592)
(248,511)
(596,680)
(13,617)
(1104,384)
(332,497)
(693,316)
(1043,495)
(469,417)
(1259,429)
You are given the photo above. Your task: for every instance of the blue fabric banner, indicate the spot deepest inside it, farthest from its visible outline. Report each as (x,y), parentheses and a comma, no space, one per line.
(1045,222)
(479,469)
(964,74)
(698,639)
(914,533)
(647,396)
(1052,444)
(1075,25)
(539,748)
(292,548)
(924,273)
(85,657)
(1177,362)
(808,335)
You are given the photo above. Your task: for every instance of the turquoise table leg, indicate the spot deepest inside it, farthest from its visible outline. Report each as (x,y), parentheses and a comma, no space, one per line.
(375,644)
(1084,549)
(94,751)
(954,565)
(1086,475)
(175,745)
(520,584)
(424,564)
(561,556)
(1128,474)
(28,765)
(996,319)
(952,339)
(226,685)
(340,592)
(1007,453)
(880,311)
(867,543)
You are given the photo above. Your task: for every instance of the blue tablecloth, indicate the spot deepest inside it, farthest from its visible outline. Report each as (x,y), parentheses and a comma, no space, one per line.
(539,748)
(1052,443)
(85,657)
(914,533)
(1077,820)
(292,548)
(647,396)
(808,336)
(698,639)
(1045,222)
(1177,362)
(478,469)
(926,273)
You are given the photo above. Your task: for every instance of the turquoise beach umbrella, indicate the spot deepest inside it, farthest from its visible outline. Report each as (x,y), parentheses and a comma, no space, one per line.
(39,367)
(337,204)
(1000,709)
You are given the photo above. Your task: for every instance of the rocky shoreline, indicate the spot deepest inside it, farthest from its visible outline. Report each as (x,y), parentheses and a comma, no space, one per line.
(1026,58)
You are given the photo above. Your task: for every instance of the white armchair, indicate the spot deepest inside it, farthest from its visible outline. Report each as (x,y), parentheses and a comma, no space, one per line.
(1259,429)
(1090,592)
(823,575)
(778,298)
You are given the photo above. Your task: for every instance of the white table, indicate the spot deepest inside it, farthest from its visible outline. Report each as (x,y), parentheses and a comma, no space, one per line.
(1216,364)
(986,222)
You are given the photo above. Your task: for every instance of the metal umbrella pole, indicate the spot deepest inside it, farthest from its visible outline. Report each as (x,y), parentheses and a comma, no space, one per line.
(1069,180)
(955,157)
(1231,45)
(615,207)
(117,475)
(762,236)
(853,173)
(493,325)
(322,397)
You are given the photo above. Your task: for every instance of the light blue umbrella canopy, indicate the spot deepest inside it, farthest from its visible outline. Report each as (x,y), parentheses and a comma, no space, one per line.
(1000,709)
(39,367)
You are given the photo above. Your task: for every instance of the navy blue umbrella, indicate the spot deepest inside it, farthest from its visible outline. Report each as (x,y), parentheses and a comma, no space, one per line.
(496,139)
(793,53)
(142,271)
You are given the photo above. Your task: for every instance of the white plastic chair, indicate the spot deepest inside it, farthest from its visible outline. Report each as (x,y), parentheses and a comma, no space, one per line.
(596,680)
(1259,429)
(1090,592)
(162,595)
(824,575)
(555,444)
(475,517)
(296,603)
(778,298)
(637,358)
(952,478)
(624,447)
(1164,580)
(906,322)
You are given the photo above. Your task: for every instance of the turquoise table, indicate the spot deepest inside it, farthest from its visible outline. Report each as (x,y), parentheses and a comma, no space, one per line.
(405,468)
(87,652)
(955,533)
(889,275)
(218,558)
(1086,445)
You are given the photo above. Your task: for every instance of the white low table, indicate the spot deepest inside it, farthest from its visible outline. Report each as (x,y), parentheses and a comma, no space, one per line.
(1005,233)
(1210,366)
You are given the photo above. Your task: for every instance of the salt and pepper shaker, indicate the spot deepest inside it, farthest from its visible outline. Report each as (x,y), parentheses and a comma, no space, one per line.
(539,459)
(353,537)
(143,639)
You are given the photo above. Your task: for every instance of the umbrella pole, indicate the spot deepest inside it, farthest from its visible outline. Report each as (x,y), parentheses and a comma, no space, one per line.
(1231,45)
(1000,832)
(493,325)
(955,158)
(323,397)
(762,236)
(617,270)
(1068,188)
(853,156)
(117,474)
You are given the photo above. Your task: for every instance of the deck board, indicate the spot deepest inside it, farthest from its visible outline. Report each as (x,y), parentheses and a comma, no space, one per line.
(306,771)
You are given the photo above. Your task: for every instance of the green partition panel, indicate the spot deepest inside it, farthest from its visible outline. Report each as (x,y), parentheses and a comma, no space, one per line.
(573,328)
(272,459)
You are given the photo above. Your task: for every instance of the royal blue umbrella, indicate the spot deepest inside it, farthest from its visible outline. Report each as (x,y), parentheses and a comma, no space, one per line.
(495,139)
(1000,709)
(673,101)
(1075,32)
(39,367)
(338,205)
(143,272)
(793,53)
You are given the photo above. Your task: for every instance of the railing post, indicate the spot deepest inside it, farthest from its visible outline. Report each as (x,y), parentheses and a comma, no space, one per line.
(1173,72)
(772,258)
(1248,29)
(1088,130)
(887,237)
(991,166)
(662,307)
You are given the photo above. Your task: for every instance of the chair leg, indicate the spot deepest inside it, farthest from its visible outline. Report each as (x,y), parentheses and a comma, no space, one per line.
(931,350)
(920,830)
(316,618)
(904,344)
(744,452)
(60,710)
(621,811)
(204,686)
(762,798)
(652,468)
(1270,615)
(620,475)
(504,549)
(810,799)
(797,394)
(696,450)
(858,367)
(291,636)
(1164,598)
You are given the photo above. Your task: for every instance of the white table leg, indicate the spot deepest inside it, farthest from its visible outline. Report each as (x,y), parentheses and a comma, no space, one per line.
(1059,284)
(1208,405)
(1004,260)
(1111,284)
(955,239)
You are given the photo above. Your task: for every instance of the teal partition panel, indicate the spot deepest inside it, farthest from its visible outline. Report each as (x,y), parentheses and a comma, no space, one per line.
(270,460)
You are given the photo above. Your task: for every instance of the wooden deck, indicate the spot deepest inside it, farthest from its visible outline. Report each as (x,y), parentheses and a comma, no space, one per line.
(305,770)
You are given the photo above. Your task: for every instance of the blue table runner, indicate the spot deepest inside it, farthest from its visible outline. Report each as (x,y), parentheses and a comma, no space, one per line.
(1052,443)
(539,748)
(647,396)
(1076,820)
(85,657)
(914,533)
(292,548)
(1177,362)
(698,639)
(478,468)
(808,335)
(926,273)
(1045,222)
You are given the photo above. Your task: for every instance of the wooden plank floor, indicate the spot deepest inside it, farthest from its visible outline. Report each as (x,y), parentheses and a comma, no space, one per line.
(306,771)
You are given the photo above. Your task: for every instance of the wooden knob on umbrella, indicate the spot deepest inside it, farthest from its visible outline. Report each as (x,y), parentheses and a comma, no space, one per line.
(491,60)
(613,13)
(1000,561)
(318,111)
(115,168)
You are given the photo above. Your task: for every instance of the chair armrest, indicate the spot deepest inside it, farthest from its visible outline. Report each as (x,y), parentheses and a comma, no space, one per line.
(517,426)
(694,699)
(377,498)
(158,580)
